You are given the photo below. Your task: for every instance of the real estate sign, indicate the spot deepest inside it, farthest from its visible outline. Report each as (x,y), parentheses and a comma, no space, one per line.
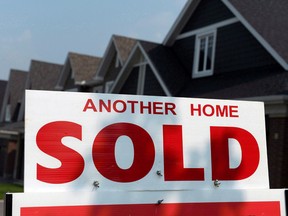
(165,203)
(88,141)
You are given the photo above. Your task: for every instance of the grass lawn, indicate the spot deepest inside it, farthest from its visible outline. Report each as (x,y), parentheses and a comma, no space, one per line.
(7,187)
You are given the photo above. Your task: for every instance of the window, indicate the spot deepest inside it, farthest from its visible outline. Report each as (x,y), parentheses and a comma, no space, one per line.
(204,54)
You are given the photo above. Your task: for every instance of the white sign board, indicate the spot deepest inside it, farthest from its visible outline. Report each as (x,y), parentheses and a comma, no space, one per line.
(135,203)
(83,141)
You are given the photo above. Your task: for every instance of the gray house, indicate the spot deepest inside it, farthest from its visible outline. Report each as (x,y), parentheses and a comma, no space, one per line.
(225,49)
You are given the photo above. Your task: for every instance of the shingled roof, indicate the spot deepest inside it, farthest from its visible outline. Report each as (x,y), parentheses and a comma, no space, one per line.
(3,85)
(266,20)
(43,75)
(240,84)
(83,67)
(78,70)
(14,92)
(124,46)
(119,46)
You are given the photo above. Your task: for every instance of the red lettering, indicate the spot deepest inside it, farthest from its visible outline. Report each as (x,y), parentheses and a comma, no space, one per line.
(234,111)
(120,109)
(148,107)
(222,111)
(170,107)
(104,156)
(106,106)
(173,157)
(132,105)
(220,153)
(49,141)
(208,110)
(89,105)
(216,110)
(157,108)
(195,109)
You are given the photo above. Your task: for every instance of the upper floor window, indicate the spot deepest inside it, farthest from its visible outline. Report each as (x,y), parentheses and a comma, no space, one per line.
(204,54)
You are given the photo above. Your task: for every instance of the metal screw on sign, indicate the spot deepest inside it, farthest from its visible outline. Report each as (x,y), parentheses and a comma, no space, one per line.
(96,184)
(159,173)
(160,201)
(217,183)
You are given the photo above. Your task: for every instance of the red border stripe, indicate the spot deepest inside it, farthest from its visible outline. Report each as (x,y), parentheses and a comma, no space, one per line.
(171,209)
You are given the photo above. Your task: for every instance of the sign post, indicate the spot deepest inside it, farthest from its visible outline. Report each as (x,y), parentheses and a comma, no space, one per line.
(174,153)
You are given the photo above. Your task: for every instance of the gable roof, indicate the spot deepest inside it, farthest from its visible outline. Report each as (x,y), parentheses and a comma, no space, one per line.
(163,60)
(266,20)
(79,67)
(3,85)
(240,84)
(14,92)
(83,67)
(43,75)
(163,63)
(120,46)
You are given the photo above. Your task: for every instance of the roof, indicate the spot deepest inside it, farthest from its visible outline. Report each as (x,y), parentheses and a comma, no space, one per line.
(120,47)
(240,84)
(83,67)
(3,85)
(266,20)
(163,62)
(43,75)
(15,91)
(167,65)
(124,46)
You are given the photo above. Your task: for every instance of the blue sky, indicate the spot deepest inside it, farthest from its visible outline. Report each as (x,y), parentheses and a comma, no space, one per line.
(47,30)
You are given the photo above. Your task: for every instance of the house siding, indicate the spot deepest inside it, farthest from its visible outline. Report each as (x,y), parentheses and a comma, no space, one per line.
(237,49)
(184,49)
(277,148)
(112,71)
(208,12)
(131,83)
(152,86)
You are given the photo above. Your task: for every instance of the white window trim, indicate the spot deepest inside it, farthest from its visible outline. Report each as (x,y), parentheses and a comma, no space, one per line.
(108,86)
(208,28)
(117,61)
(204,73)
(141,79)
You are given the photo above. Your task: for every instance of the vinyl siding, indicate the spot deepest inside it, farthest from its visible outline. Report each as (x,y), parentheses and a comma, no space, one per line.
(130,85)
(237,49)
(208,12)
(152,86)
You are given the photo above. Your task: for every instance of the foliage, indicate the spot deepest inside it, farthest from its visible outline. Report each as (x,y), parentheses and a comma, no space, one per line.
(7,187)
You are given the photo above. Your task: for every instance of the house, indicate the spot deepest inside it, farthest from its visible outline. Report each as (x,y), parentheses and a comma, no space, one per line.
(115,56)
(225,49)
(77,73)
(41,76)
(11,126)
(3,84)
